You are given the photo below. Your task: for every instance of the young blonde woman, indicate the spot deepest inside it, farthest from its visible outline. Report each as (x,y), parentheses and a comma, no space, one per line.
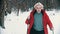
(38,20)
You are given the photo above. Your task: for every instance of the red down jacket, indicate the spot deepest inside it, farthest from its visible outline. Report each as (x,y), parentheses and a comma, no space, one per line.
(45,19)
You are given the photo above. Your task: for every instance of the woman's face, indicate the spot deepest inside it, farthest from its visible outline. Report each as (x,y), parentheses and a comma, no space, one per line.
(38,8)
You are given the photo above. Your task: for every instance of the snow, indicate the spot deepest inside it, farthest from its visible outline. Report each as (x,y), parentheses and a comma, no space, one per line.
(16,24)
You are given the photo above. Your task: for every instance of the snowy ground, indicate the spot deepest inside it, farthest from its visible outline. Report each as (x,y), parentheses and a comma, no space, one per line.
(16,24)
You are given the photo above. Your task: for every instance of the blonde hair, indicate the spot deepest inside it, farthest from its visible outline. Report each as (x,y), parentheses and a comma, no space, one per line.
(39,4)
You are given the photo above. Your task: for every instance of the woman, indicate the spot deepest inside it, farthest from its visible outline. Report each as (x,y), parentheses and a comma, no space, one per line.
(38,20)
